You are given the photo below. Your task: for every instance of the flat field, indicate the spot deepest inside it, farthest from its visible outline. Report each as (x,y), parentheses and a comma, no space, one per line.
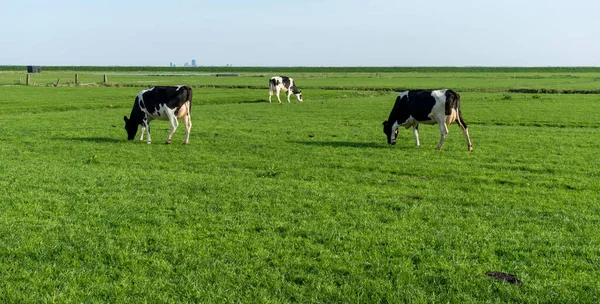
(300,202)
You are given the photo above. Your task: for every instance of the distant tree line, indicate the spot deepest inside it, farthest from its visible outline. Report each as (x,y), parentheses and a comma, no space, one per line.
(246,69)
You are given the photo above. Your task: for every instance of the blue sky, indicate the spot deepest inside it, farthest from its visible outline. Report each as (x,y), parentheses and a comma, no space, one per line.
(301,33)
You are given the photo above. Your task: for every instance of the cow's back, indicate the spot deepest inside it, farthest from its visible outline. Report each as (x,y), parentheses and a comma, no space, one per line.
(158,100)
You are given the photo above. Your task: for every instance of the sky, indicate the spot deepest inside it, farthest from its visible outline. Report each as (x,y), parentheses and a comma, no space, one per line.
(300,33)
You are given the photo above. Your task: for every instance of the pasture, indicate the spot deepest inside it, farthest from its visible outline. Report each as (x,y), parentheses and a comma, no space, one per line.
(300,202)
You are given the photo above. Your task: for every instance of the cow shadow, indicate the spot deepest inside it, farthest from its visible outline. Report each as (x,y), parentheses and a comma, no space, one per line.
(93,139)
(253,101)
(349,144)
(241,101)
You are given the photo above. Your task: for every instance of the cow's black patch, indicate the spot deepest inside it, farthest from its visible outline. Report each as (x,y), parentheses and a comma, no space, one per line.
(286,81)
(274,82)
(417,104)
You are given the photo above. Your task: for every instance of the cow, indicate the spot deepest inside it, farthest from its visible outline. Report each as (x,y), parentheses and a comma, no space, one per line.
(164,103)
(440,107)
(285,84)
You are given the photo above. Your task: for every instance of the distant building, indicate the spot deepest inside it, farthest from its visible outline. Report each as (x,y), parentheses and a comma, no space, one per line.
(194,62)
(34,69)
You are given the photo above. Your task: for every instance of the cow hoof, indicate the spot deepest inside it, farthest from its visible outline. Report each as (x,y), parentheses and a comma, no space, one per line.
(470,149)
(149,142)
(168,142)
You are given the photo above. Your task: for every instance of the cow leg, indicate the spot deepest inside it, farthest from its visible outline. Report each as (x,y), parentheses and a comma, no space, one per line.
(278,91)
(443,133)
(289,93)
(142,130)
(146,126)
(188,126)
(270,94)
(416,134)
(465,130)
(148,131)
(174,125)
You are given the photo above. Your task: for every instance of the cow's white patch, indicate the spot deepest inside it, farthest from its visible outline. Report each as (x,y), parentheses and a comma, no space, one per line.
(416,134)
(438,112)
(439,94)
(394,132)
(162,113)
(140,98)
(402,94)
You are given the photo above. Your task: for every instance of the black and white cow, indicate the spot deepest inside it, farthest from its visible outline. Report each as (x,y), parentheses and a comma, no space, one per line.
(440,107)
(285,84)
(164,103)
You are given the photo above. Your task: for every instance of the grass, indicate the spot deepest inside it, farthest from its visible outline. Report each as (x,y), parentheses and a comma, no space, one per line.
(532,81)
(296,202)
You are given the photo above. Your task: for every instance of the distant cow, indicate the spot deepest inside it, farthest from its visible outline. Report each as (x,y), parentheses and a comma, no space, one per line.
(285,84)
(440,107)
(164,103)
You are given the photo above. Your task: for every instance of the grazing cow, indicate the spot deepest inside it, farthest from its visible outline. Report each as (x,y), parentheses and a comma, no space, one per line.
(165,103)
(440,107)
(285,84)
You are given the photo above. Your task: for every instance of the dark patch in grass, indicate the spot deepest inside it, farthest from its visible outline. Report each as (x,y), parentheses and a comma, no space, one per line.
(506,277)
(281,231)
(298,280)
(341,144)
(269,173)
(508,182)
(93,159)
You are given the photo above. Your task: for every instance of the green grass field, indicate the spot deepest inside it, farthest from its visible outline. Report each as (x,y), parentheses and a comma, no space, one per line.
(300,202)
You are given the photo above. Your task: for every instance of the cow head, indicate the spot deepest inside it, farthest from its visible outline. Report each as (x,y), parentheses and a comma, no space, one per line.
(391,131)
(131,128)
(299,95)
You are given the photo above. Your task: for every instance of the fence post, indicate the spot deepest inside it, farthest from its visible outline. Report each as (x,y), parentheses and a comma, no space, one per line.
(76,79)
(27,79)
(105,79)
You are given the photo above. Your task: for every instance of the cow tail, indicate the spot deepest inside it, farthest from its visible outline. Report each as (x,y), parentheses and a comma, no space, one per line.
(456,105)
(452,102)
(272,84)
(190,94)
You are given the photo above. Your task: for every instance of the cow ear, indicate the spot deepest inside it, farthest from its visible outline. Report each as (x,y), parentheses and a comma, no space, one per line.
(125,119)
